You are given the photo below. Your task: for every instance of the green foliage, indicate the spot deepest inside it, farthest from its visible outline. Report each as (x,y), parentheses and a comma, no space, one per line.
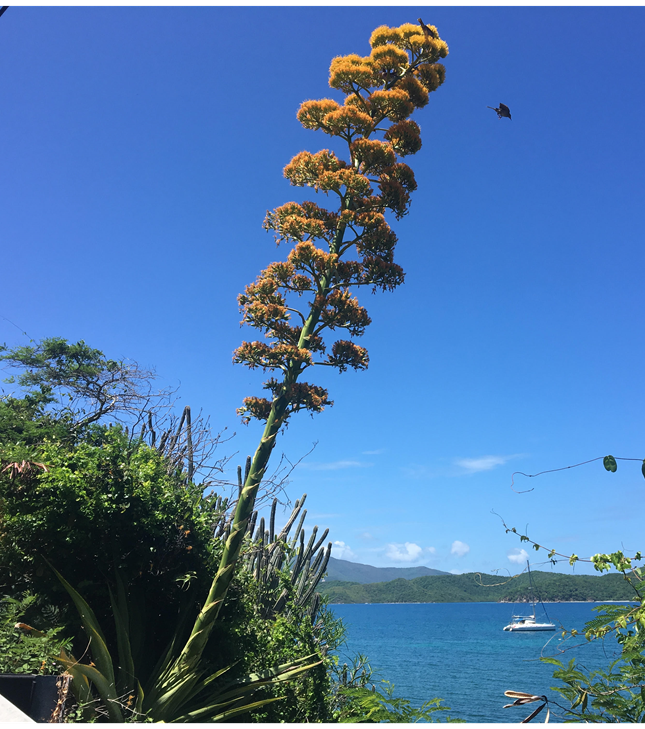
(124,523)
(103,504)
(192,693)
(23,649)
(68,387)
(377,706)
(26,422)
(616,694)
(613,695)
(284,637)
(476,587)
(609,462)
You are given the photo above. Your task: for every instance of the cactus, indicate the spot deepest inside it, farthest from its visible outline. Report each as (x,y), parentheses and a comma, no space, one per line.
(269,553)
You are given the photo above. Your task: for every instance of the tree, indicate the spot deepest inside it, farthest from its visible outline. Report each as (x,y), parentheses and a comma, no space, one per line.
(79,383)
(67,388)
(294,301)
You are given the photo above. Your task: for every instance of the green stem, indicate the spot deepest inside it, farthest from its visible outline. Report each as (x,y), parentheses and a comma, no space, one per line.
(246,503)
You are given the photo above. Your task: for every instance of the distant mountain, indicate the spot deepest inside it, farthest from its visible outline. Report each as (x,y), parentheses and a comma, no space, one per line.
(477,587)
(343,571)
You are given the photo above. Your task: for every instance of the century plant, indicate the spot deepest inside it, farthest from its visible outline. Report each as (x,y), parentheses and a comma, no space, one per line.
(294,302)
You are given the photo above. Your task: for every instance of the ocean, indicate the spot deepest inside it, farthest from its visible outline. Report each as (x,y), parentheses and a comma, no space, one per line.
(459,652)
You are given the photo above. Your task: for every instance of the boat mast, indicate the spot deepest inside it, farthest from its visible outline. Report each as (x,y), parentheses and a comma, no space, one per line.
(531,590)
(533,593)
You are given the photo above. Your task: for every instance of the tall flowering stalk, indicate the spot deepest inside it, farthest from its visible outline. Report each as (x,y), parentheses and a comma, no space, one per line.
(294,302)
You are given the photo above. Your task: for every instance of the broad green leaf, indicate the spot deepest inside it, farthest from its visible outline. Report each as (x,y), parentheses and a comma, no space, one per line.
(100,653)
(207,712)
(121,620)
(103,686)
(609,462)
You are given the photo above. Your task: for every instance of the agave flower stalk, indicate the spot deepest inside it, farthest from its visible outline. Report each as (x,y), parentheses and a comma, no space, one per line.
(294,301)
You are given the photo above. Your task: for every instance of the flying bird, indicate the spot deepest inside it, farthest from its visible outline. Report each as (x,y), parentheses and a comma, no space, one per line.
(427,31)
(502,110)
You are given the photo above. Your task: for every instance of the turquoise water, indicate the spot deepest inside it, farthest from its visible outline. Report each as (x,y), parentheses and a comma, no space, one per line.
(459,652)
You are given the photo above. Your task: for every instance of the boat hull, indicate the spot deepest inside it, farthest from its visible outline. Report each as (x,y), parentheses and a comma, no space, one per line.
(529,627)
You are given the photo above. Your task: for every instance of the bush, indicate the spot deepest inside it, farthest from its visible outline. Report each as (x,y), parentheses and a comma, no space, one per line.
(24,650)
(106,504)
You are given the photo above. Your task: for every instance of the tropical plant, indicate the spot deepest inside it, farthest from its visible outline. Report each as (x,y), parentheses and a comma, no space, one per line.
(124,509)
(379,705)
(381,92)
(194,694)
(102,503)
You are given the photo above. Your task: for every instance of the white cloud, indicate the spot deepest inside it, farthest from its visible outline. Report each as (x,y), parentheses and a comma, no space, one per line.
(460,549)
(334,465)
(366,535)
(517,556)
(377,452)
(340,550)
(408,552)
(455,572)
(484,463)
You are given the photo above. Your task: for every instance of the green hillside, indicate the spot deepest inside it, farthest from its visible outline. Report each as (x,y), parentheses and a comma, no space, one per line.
(476,587)
(345,571)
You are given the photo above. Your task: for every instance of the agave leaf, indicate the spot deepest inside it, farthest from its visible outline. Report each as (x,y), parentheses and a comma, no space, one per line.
(138,706)
(103,686)
(206,712)
(217,674)
(170,698)
(253,681)
(167,660)
(122,623)
(100,653)
(80,685)
(280,669)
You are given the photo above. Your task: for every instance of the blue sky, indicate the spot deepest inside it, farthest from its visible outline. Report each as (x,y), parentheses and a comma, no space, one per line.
(141,148)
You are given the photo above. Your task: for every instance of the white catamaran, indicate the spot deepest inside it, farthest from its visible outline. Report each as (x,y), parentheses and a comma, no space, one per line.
(529,622)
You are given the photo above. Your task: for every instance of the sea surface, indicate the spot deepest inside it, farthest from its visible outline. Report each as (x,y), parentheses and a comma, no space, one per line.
(459,652)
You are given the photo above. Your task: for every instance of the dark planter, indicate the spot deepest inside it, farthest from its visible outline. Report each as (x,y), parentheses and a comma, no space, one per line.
(36,696)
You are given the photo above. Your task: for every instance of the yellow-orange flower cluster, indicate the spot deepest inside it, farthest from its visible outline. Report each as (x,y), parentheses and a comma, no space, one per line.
(324,171)
(342,310)
(311,114)
(300,395)
(393,104)
(372,156)
(405,137)
(347,354)
(294,301)
(347,72)
(431,75)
